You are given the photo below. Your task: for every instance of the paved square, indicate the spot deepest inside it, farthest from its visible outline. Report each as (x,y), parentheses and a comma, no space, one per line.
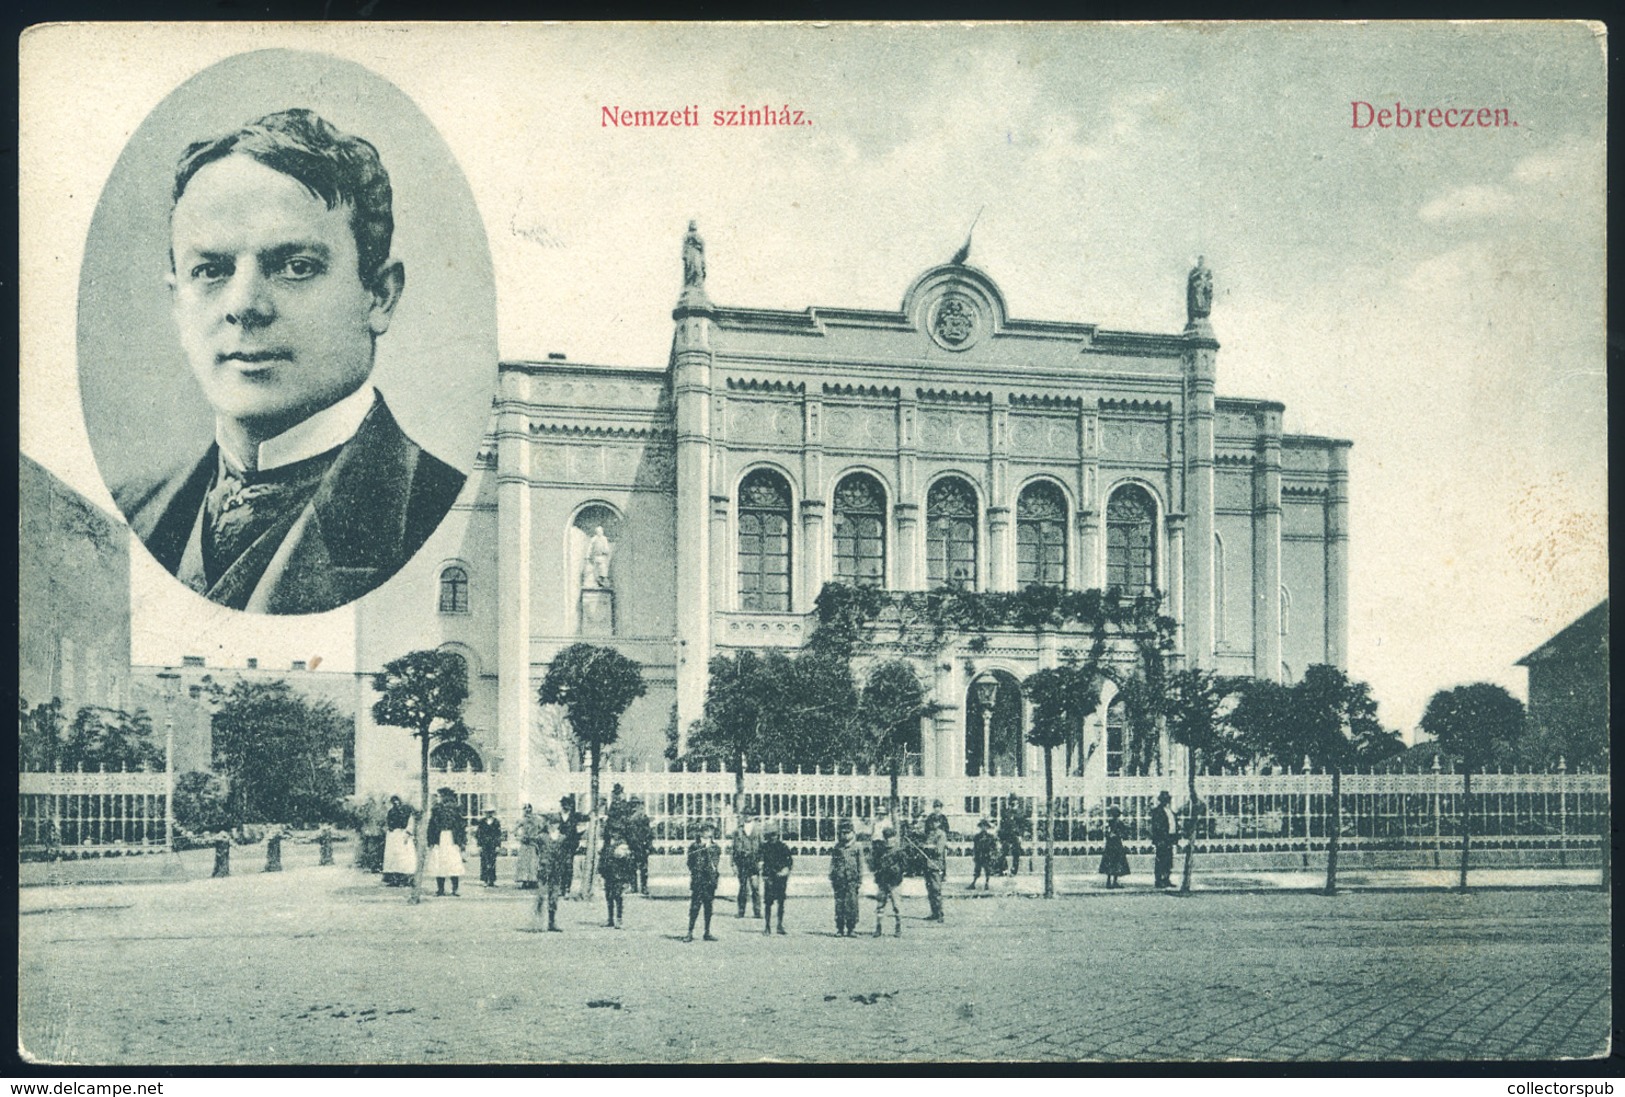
(324,965)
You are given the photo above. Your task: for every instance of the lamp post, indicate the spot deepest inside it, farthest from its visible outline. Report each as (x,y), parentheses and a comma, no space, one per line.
(169,678)
(987,695)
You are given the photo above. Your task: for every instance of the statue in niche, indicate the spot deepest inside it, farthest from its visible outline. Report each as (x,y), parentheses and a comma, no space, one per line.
(1199,292)
(595,567)
(694,257)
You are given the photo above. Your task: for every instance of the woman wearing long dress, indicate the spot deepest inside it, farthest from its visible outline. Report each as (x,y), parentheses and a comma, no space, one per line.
(400,859)
(529,832)
(1114,862)
(447,834)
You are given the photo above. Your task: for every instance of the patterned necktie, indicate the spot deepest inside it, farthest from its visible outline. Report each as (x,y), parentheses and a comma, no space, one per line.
(243,505)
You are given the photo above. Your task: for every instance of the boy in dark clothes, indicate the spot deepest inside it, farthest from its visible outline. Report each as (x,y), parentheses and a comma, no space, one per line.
(776,862)
(846,878)
(985,855)
(704,865)
(886,859)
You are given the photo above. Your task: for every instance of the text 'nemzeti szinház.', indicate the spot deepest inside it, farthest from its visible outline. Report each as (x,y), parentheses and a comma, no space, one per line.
(618,117)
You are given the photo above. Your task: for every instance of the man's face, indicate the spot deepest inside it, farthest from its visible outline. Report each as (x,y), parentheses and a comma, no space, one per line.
(272,312)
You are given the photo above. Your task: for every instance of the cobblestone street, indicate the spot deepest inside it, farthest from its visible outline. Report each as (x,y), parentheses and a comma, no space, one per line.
(325,966)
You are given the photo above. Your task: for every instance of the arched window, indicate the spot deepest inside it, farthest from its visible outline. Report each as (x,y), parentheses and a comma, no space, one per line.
(1130,542)
(764,543)
(455,758)
(950,541)
(860,531)
(1286,611)
(1220,633)
(454,590)
(1041,536)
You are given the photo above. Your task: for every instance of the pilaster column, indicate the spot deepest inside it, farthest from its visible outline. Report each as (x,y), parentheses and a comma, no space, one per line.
(1337,557)
(812,553)
(691,395)
(1201,351)
(998,562)
(722,573)
(1176,579)
(947,732)
(516,703)
(1267,551)
(905,553)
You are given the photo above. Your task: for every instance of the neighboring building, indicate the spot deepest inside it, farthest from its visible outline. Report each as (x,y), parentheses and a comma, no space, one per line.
(73,593)
(683,512)
(1568,691)
(187,699)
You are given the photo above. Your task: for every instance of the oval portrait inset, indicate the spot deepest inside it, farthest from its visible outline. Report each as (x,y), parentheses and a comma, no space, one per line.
(287,332)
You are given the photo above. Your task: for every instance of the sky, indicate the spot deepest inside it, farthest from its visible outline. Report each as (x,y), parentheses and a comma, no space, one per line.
(1434,295)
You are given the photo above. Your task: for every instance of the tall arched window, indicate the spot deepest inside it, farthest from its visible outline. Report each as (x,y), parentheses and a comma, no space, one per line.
(950,540)
(455,757)
(1220,610)
(860,531)
(453,590)
(1041,536)
(764,543)
(1116,736)
(1130,542)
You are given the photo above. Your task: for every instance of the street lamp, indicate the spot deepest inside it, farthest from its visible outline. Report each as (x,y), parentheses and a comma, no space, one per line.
(987,694)
(169,678)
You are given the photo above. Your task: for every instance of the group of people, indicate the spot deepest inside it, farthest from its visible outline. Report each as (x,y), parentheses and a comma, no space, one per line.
(761,861)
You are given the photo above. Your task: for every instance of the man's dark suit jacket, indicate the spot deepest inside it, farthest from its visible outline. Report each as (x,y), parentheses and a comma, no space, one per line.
(376,505)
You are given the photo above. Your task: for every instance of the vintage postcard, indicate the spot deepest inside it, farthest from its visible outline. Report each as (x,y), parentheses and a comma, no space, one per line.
(813,543)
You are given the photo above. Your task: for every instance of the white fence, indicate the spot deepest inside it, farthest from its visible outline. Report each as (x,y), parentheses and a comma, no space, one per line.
(1404,818)
(92,808)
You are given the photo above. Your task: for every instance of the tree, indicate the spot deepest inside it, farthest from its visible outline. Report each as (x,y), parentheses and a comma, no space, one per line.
(1062,697)
(110,739)
(39,736)
(424,691)
(201,802)
(1478,723)
(890,708)
(594,685)
(745,694)
(1196,703)
(282,753)
(1327,718)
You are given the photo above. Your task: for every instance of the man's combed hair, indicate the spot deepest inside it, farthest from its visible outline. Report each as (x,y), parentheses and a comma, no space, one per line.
(337,167)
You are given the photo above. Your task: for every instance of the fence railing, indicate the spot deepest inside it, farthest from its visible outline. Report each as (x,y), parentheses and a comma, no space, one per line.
(1414,819)
(92,808)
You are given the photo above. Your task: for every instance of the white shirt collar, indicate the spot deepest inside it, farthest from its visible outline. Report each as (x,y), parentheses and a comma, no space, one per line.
(328,429)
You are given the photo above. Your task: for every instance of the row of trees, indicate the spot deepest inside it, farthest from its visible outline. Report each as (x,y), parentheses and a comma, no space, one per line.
(94,738)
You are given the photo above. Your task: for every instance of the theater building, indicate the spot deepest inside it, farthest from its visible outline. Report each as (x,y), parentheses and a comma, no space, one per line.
(698,507)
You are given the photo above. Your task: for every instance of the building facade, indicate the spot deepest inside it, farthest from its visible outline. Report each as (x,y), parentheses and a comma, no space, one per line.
(683,512)
(73,583)
(1568,690)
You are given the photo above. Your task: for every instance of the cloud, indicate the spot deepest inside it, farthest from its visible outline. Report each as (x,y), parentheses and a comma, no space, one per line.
(1472,201)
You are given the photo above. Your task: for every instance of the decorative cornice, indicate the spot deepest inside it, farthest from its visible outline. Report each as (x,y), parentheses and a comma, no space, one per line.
(1112,404)
(954,396)
(657,433)
(1239,459)
(1040,401)
(871,392)
(752,384)
(1303,491)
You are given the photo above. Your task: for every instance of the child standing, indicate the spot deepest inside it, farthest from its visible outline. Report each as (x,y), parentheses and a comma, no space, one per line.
(887,862)
(616,869)
(776,862)
(984,855)
(704,864)
(846,878)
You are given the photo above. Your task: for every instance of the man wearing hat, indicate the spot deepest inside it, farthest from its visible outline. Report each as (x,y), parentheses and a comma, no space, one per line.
(551,861)
(488,837)
(936,818)
(1164,836)
(936,862)
(776,862)
(572,825)
(704,867)
(984,855)
(747,859)
(886,861)
(846,879)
